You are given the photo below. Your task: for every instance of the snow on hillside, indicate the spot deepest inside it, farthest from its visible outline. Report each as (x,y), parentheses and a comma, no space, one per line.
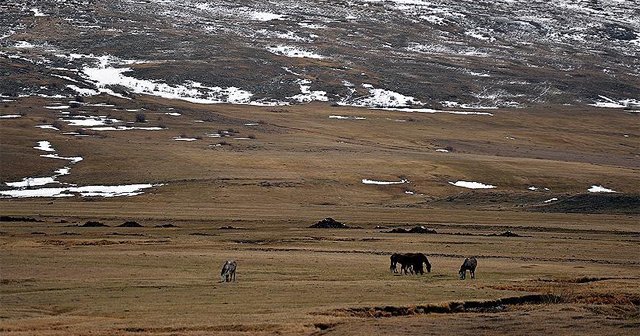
(413,53)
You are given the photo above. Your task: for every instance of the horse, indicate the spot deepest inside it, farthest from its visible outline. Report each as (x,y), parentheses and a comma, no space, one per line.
(228,272)
(409,263)
(469,264)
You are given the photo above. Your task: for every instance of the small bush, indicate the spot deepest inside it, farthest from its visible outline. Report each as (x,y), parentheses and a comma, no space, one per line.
(141,117)
(58,124)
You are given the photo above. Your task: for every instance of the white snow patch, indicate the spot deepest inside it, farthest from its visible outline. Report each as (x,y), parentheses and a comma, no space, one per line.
(85,191)
(125,128)
(44,146)
(611,103)
(24,45)
(442,150)
(292,51)
(184,139)
(341,117)
(37,12)
(266,16)
(551,200)
(381,98)
(265,102)
(51,127)
(194,92)
(90,121)
(367,181)
(173,114)
(311,25)
(533,188)
(84,91)
(600,189)
(307,95)
(472,185)
(426,110)
(57,107)
(72,159)
(10,116)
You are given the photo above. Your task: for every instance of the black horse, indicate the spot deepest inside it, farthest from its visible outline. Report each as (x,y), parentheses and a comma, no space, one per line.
(409,263)
(469,264)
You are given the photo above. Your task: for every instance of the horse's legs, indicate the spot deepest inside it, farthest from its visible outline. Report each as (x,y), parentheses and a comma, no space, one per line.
(473,274)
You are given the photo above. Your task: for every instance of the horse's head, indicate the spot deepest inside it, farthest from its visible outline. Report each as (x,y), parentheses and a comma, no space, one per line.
(423,258)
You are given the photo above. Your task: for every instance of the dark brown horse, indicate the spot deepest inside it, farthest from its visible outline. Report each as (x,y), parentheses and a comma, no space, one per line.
(469,264)
(409,263)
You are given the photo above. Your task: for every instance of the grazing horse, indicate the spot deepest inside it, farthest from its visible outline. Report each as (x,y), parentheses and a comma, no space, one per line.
(469,264)
(228,272)
(409,263)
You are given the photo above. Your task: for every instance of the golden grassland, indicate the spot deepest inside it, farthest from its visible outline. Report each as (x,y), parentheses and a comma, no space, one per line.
(292,168)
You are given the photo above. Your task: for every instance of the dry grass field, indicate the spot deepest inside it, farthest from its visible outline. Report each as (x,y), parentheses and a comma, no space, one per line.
(574,267)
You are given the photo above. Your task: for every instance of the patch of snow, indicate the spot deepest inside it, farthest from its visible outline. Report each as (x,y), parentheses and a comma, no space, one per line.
(346,117)
(307,95)
(37,12)
(72,159)
(10,116)
(533,188)
(24,45)
(442,150)
(600,189)
(184,139)
(90,121)
(67,78)
(472,185)
(195,92)
(84,91)
(264,102)
(266,16)
(173,114)
(28,182)
(44,146)
(381,98)
(426,110)
(57,107)
(48,127)
(367,181)
(125,128)
(551,200)
(610,103)
(311,25)
(84,191)
(292,51)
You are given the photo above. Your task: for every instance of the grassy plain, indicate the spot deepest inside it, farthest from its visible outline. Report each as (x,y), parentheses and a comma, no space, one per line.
(285,168)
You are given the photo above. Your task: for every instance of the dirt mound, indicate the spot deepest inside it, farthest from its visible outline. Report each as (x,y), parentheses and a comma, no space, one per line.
(594,203)
(506,234)
(415,229)
(93,224)
(166,226)
(18,219)
(329,223)
(130,224)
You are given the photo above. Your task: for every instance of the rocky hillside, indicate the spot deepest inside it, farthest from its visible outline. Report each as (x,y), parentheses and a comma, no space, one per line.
(449,54)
